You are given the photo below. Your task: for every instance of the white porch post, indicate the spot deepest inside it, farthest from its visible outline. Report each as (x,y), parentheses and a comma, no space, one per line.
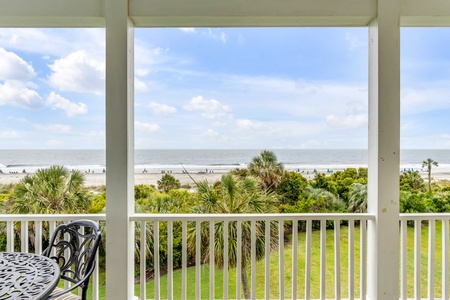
(119,150)
(384,151)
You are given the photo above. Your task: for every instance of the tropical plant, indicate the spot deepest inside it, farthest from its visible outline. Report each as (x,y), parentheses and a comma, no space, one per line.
(357,200)
(167,183)
(50,191)
(291,187)
(428,163)
(267,169)
(411,180)
(233,195)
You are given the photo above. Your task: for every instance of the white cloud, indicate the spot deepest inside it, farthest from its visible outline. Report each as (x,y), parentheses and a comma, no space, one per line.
(15,119)
(188,30)
(246,124)
(310,144)
(56,128)
(355,116)
(210,109)
(425,98)
(78,72)
(148,127)
(353,41)
(444,139)
(16,93)
(141,72)
(9,133)
(55,101)
(214,35)
(162,109)
(145,55)
(13,67)
(54,143)
(347,121)
(54,42)
(140,86)
(211,133)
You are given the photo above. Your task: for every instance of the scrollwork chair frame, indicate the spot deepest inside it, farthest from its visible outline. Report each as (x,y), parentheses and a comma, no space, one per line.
(74,246)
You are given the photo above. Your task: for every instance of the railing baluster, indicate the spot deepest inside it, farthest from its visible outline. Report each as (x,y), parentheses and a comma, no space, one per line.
(267,260)
(294,258)
(308,260)
(404,259)
(281,257)
(351,259)
(417,242)
(143,244)
(38,237)
(239,260)
(337,260)
(225,260)
(211,260)
(323,258)
(156,266)
(431,248)
(363,259)
(197,260)
(9,236)
(51,230)
(95,279)
(253,258)
(169,260)
(445,259)
(24,236)
(184,262)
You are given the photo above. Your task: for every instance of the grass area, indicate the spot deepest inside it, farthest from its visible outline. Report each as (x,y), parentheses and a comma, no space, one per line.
(315,270)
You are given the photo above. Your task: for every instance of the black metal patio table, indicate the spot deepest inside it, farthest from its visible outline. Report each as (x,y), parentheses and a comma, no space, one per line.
(27,276)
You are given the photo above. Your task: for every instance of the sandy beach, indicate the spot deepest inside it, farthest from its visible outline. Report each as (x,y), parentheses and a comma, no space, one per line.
(97,179)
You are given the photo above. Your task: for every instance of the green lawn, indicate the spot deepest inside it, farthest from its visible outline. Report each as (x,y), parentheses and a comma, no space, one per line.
(315,271)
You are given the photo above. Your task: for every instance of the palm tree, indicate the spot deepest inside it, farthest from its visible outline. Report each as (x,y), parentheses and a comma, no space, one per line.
(267,170)
(50,191)
(429,163)
(357,200)
(233,195)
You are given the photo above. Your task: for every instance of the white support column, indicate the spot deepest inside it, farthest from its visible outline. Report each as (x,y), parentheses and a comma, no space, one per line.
(384,152)
(119,150)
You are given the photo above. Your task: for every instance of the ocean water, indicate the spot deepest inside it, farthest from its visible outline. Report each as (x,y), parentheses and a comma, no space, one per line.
(156,161)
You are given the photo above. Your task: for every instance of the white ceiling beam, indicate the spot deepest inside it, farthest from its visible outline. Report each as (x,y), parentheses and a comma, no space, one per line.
(51,13)
(226,13)
(425,13)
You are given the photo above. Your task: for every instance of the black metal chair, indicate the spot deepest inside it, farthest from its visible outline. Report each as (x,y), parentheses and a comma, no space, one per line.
(74,246)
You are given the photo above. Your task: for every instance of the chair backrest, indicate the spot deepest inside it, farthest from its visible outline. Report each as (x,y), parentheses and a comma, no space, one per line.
(74,246)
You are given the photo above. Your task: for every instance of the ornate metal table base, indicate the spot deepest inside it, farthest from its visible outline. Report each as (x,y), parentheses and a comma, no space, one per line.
(27,276)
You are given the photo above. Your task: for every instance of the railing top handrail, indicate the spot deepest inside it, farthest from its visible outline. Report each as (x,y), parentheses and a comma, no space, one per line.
(218,217)
(249,217)
(51,217)
(425,216)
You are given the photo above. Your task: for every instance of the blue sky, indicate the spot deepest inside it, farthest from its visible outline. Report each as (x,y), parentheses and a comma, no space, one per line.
(219,88)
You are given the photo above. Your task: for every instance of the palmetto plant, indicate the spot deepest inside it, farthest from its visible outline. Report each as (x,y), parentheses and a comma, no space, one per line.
(428,163)
(55,190)
(357,200)
(167,183)
(267,169)
(233,195)
(50,191)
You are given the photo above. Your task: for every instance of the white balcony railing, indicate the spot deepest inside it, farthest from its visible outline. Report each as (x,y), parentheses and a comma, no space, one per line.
(199,230)
(426,261)
(434,262)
